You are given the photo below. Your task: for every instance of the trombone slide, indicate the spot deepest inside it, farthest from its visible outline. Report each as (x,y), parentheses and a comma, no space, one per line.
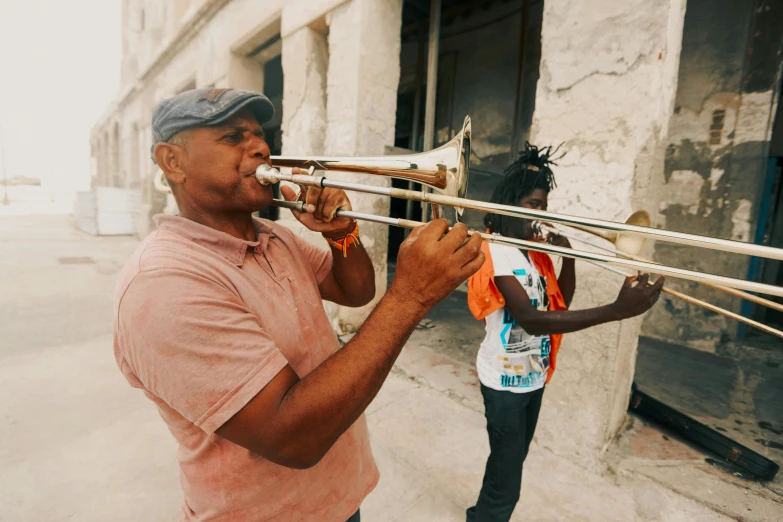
(560,251)
(267,174)
(675,293)
(729,290)
(705,304)
(596,259)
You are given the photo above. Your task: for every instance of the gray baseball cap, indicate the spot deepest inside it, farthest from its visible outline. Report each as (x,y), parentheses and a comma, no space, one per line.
(204,108)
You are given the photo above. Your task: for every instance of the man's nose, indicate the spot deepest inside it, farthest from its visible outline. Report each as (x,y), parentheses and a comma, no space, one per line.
(258,148)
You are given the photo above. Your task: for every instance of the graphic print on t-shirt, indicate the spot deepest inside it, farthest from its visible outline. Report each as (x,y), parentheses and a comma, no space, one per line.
(531,353)
(511,358)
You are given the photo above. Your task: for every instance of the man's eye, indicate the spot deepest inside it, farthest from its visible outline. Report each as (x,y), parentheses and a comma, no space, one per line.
(233,137)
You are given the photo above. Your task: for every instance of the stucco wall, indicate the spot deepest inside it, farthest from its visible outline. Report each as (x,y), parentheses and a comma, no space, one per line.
(364,72)
(716,155)
(606,91)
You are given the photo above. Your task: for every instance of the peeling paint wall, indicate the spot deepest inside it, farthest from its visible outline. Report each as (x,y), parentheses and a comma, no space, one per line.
(364,71)
(607,87)
(716,155)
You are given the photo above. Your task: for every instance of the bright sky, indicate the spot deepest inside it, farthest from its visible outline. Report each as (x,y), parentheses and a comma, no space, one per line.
(59,70)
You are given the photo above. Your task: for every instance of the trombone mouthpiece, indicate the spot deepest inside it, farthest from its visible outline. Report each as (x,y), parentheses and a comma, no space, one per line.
(536,226)
(268,175)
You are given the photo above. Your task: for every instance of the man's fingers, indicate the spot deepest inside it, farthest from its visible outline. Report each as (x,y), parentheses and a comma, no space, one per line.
(473,265)
(329,206)
(643,280)
(454,237)
(469,250)
(433,230)
(311,198)
(629,281)
(319,213)
(288,193)
(414,233)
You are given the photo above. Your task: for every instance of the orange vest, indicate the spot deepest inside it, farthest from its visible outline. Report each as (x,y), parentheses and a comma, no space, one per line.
(485,298)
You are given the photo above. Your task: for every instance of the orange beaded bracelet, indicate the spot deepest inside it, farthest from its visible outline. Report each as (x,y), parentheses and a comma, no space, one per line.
(344,242)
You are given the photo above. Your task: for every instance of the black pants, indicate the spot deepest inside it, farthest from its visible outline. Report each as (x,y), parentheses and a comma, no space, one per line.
(511,422)
(355,517)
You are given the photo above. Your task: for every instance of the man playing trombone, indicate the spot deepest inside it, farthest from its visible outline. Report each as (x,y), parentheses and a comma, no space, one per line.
(525,308)
(218,319)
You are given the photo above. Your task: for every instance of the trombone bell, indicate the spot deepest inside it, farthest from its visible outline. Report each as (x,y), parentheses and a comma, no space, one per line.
(628,244)
(444,169)
(633,245)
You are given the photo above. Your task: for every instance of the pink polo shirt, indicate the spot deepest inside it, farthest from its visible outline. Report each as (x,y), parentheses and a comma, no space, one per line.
(203,321)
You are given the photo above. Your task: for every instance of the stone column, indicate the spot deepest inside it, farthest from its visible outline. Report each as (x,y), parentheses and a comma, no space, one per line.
(362,82)
(305,60)
(606,91)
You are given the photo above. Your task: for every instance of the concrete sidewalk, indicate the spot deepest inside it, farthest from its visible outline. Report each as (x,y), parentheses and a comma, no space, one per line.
(79,444)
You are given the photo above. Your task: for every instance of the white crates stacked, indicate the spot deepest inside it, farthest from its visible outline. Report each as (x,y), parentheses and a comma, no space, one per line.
(108,211)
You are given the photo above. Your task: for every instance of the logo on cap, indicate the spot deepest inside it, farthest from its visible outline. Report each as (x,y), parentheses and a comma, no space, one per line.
(213,95)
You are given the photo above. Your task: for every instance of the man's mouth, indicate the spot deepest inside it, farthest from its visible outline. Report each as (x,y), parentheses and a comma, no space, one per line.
(252,173)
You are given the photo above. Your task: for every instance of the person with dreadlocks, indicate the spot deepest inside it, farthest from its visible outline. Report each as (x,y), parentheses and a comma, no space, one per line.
(525,309)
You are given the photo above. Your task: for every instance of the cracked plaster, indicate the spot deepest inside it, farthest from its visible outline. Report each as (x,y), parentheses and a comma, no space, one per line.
(607,86)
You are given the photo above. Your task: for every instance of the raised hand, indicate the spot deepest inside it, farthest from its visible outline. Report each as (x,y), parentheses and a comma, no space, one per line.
(635,299)
(434,260)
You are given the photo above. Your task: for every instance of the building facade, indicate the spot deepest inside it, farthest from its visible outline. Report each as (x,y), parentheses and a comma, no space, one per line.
(659,105)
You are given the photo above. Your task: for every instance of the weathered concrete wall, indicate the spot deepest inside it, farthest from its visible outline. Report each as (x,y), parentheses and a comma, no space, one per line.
(171,54)
(301,13)
(364,71)
(716,155)
(305,63)
(606,90)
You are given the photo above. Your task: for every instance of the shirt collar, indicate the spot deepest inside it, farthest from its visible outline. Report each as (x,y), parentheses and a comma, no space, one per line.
(228,246)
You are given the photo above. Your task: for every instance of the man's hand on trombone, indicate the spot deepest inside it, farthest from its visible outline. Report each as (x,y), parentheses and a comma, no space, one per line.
(434,260)
(321,206)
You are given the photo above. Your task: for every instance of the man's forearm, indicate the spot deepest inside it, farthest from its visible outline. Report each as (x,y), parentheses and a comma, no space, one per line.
(354,274)
(320,407)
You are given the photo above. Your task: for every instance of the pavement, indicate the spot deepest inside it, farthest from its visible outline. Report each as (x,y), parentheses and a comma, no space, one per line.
(737,390)
(79,444)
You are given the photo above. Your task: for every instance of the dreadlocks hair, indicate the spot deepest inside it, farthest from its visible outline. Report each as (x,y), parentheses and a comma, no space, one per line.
(532,170)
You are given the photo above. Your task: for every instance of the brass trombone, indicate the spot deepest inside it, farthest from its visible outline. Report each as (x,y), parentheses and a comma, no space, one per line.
(446,170)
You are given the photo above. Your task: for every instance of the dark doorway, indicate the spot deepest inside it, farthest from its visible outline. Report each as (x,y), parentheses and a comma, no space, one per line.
(488,59)
(273,89)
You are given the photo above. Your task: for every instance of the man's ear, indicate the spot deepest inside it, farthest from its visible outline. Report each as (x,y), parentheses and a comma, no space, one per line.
(167,156)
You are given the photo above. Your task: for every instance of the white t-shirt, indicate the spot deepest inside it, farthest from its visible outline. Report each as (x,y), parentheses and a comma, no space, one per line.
(510,359)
